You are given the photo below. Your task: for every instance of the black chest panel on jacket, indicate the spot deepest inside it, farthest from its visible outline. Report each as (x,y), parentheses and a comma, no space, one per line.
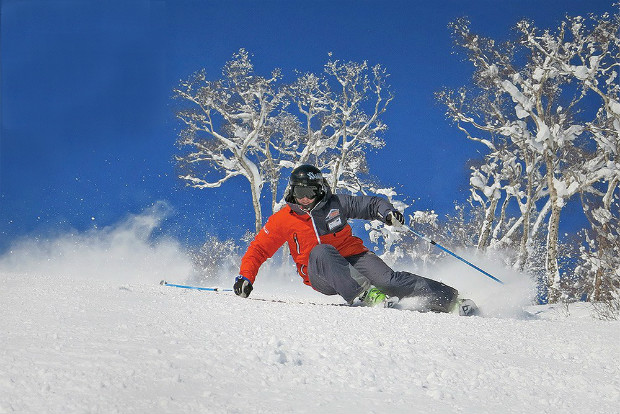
(330,217)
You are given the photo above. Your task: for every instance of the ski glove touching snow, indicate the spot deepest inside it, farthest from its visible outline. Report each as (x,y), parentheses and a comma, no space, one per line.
(395,218)
(242,287)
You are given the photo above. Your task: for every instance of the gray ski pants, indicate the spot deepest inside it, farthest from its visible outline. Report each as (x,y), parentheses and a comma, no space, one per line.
(332,274)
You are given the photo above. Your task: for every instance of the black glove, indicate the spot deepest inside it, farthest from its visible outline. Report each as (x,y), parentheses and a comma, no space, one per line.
(242,287)
(395,218)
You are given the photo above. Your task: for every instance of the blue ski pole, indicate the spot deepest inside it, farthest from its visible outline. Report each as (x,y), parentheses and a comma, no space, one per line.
(216,289)
(434,243)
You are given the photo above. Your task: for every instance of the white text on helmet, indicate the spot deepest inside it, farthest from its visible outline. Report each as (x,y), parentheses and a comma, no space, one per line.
(315,176)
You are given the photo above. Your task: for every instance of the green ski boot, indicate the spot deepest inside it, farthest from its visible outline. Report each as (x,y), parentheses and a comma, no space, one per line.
(373,297)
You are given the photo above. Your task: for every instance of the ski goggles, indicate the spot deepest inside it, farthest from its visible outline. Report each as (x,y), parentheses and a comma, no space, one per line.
(302,191)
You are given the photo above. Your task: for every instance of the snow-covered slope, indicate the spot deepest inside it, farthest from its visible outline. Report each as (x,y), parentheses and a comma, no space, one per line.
(86,328)
(82,344)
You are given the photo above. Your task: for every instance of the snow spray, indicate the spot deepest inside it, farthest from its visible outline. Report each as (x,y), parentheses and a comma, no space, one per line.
(125,252)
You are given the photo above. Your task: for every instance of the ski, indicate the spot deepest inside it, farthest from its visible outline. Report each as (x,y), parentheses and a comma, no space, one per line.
(296,302)
(218,289)
(466,307)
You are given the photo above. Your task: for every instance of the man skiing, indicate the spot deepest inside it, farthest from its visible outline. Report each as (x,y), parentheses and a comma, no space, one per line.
(329,258)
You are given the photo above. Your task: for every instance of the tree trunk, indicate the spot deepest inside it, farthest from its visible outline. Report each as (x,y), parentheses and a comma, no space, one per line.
(485,232)
(253,175)
(603,242)
(258,222)
(553,273)
(274,195)
(525,237)
(338,167)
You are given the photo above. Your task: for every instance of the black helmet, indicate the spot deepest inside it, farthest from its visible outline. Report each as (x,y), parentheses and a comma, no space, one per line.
(307,176)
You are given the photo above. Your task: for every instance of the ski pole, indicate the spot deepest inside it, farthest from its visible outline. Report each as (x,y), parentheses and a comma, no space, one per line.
(434,243)
(215,289)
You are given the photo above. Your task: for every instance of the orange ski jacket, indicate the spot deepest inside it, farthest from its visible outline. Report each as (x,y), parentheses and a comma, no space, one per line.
(325,223)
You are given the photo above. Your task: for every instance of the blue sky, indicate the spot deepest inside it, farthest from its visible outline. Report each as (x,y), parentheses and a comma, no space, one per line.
(87,119)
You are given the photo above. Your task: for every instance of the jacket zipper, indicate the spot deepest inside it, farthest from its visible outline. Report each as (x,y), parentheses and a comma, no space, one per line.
(316,232)
(296,243)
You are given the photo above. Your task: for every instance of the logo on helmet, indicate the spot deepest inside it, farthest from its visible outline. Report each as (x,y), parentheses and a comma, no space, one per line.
(315,176)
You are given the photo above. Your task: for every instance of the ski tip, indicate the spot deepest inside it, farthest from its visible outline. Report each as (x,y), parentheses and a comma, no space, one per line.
(163,282)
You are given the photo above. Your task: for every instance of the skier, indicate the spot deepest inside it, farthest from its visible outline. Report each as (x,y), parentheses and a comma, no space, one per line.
(329,258)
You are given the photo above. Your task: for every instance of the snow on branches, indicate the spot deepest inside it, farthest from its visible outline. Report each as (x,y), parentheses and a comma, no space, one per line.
(251,126)
(545,106)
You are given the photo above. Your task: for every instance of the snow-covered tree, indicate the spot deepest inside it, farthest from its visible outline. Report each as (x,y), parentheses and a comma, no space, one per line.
(587,50)
(354,129)
(340,113)
(255,127)
(226,128)
(531,106)
(281,143)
